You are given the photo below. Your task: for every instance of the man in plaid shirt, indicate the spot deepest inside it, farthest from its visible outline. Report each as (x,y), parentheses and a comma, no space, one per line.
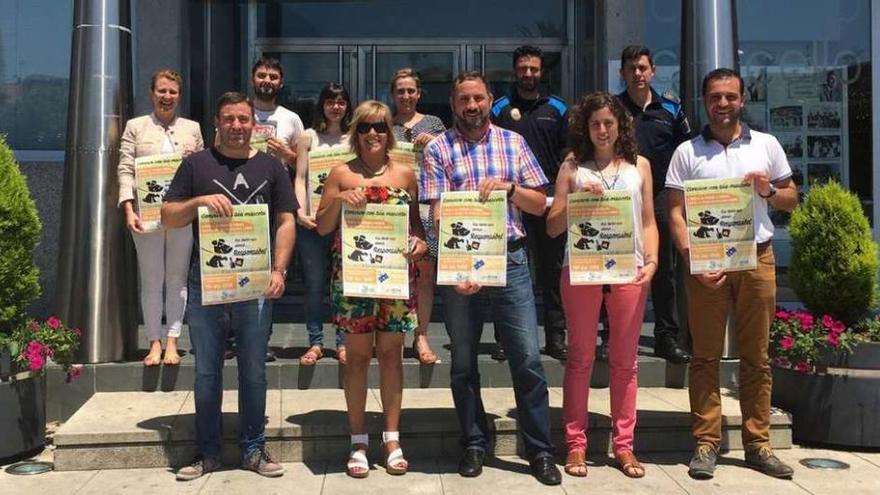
(477,156)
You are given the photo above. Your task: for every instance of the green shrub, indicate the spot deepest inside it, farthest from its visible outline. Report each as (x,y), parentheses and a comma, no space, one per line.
(19,234)
(834,261)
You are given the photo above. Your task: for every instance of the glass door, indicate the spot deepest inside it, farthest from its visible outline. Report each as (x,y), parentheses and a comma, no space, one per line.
(436,66)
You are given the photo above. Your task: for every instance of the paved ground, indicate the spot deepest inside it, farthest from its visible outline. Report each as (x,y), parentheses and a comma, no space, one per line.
(666,473)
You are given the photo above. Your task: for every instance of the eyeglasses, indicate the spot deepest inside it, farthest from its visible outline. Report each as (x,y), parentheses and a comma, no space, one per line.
(379,127)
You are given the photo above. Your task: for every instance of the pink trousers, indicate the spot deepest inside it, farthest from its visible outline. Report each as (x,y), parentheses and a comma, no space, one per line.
(625,305)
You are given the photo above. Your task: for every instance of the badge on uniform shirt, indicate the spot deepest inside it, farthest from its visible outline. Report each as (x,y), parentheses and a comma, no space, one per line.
(515,115)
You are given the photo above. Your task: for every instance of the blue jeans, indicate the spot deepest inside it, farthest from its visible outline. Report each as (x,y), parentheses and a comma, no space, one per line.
(513,308)
(313,251)
(251,321)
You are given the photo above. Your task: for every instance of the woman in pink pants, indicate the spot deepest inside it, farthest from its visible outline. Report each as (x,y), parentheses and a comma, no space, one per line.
(604,157)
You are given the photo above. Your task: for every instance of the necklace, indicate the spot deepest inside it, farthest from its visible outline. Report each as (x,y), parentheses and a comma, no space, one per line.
(609,187)
(372,173)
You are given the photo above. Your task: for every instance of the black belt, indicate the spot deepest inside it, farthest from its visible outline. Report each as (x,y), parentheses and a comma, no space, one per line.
(515,245)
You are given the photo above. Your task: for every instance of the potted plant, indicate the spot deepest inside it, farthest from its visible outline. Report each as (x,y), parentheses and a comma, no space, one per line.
(25,346)
(833,271)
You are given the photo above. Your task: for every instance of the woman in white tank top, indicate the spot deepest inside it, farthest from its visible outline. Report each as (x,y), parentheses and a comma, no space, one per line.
(604,157)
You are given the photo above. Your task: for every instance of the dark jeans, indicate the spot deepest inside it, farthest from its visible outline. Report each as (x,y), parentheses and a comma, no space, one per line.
(513,308)
(252,321)
(313,252)
(663,285)
(547,253)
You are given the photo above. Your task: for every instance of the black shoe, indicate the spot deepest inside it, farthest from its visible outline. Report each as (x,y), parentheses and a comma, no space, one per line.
(763,459)
(545,470)
(668,349)
(556,352)
(702,465)
(498,353)
(471,463)
(270,356)
(602,351)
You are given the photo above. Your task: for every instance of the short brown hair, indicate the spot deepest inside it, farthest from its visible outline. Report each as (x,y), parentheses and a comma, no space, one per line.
(166,74)
(579,127)
(403,74)
(232,98)
(364,111)
(471,75)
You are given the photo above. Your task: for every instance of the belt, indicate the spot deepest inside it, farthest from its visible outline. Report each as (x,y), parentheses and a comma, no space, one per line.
(515,245)
(763,245)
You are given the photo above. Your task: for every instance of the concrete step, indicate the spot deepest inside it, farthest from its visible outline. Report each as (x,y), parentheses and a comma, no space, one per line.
(143,429)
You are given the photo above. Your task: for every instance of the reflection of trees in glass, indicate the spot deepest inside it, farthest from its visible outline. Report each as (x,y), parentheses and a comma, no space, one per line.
(542,29)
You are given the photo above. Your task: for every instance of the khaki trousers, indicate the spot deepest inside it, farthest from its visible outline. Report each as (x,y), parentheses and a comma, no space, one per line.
(752,295)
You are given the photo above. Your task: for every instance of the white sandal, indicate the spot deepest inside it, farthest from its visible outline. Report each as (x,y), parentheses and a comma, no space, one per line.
(395,463)
(358,466)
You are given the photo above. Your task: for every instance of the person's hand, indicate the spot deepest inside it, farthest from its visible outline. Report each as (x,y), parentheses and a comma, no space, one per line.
(593,187)
(281,149)
(353,197)
(217,203)
(276,285)
(711,280)
(186,152)
(489,185)
(417,248)
(307,221)
(467,288)
(760,181)
(646,273)
(422,140)
(133,220)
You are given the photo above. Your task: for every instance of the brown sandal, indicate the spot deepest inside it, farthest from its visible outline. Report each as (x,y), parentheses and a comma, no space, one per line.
(629,465)
(575,460)
(424,357)
(311,356)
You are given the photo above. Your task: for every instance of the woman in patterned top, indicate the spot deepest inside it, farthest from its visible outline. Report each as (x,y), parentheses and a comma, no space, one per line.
(413,127)
(372,178)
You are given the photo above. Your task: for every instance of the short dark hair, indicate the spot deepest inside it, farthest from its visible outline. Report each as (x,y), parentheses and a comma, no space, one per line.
(332,91)
(635,52)
(232,98)
(527,51)
(723,73)
(269,63)
(471,75)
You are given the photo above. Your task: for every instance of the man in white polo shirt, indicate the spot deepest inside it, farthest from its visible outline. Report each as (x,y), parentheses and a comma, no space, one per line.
(727,148)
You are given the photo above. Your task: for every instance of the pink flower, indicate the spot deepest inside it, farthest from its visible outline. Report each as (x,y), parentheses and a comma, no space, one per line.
(782,362)
(73,373)
(833,339)
(803,367)
(35,348)
(806,320)
(786,343)
(34,326)
(36,362)
(838,328)
(78,332)
(827,321)
(53,322)
(783,315)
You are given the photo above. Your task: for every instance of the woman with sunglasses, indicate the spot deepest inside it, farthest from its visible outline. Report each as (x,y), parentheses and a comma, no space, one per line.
(372,177)
(604,157)
(413,127)
(329,128)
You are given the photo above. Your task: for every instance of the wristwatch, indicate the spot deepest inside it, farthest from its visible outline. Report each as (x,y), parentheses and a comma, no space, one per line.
(511,190)
(282,272)
(772,192)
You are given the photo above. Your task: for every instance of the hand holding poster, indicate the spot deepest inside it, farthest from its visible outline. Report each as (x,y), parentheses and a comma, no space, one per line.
(321,162)
(153,174)
(375,240)
(601,244)
(720,224)
(261,133)
(234,254)
(473,239)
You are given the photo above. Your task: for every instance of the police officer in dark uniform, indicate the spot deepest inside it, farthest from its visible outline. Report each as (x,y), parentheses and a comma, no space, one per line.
(661,126)
(543,122)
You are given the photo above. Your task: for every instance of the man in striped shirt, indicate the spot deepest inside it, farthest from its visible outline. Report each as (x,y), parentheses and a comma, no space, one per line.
(477,156)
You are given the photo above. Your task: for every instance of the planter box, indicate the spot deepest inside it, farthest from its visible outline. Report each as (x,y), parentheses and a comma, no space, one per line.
(837,407)
(865,356)
(22,415)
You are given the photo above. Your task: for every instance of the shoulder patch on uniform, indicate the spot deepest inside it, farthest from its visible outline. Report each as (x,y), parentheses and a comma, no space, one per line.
(500,105)
(559,104)
(669,95)
(671,103)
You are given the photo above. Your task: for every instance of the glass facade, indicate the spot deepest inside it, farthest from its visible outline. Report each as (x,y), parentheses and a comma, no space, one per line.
(34,72)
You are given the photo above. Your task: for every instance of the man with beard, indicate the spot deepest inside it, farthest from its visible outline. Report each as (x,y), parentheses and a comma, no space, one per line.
(543,121)
(232,173)
(476,155)
(267,76)
(661,125)
(728,148)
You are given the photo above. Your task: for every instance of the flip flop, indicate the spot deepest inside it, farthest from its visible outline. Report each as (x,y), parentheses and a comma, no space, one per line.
(424,357)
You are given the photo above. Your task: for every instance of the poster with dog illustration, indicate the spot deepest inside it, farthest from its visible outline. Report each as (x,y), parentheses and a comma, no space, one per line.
(375,241)
(234,254)
(152,175)
(721,225)
(601,241)
(407,154)
(321,162)
(261,134)
(473,239)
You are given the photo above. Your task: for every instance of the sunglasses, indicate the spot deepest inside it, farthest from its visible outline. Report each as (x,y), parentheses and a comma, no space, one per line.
(379,127)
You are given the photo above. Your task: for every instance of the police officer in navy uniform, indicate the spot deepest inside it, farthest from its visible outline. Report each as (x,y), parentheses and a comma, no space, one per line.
(543,122)
(661,126)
